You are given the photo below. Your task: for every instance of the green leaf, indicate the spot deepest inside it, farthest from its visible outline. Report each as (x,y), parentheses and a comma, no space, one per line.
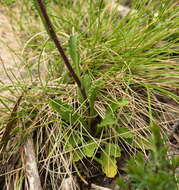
(109,165)
(108,159)
(108,120)
(66,111)
(87,82)
(125,132)
(62,108)
(123,102)
(89,148)
(92,94)
(175,162)
(157,139)
(74,53)
(68,147)
(77,155)
(72,141)
(119,103)
(113,150)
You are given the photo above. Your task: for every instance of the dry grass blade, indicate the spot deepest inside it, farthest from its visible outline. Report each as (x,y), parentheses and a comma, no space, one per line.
(11,124)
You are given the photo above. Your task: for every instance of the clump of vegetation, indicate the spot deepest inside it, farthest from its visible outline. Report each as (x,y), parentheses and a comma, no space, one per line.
(157,172)
(105,106)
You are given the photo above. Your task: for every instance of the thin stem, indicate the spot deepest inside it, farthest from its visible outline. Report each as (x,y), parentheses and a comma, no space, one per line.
(53,36)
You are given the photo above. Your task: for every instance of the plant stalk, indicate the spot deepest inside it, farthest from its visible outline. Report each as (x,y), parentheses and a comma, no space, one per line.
(49,27)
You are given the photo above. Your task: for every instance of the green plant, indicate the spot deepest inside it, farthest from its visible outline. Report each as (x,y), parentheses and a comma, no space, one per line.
(157,172)
(122,64)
